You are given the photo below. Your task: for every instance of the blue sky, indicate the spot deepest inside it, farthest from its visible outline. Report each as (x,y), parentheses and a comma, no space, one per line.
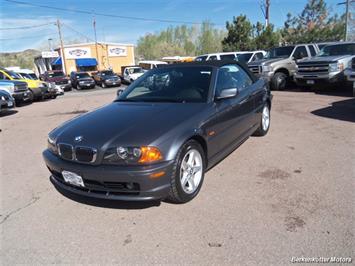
(123,30)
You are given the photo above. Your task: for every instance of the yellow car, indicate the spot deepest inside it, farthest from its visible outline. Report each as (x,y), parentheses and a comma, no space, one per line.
(36,87)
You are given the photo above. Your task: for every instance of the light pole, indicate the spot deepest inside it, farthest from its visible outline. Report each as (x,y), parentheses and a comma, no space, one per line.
(50,44)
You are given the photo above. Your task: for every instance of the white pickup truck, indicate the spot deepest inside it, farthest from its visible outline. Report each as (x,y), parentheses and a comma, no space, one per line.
(131,73)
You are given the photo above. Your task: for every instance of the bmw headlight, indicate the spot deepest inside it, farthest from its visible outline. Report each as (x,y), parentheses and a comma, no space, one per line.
(52,144)
(132,155)
(267,68)
(336,67)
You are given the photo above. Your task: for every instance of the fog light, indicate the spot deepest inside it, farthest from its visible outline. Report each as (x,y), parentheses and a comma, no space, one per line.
(130,186)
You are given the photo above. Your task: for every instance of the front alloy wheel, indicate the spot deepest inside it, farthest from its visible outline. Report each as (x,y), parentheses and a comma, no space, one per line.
(191,171)
(264,122)
(188,173)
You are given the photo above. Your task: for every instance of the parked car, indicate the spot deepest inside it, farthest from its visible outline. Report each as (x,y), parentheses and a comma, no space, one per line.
(82,80)
(151,64)
(106,78)
(37,88)
(57,79)
(350,74)
(327,67)
(160,136)
(6,101)
(131,73)
(279,65)
(18,90)
(245,56)
(24,73)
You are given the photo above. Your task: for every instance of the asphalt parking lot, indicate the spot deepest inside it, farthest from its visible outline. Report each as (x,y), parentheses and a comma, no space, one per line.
(289,194)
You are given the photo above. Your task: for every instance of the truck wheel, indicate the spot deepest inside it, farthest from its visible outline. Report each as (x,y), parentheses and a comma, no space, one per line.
(278,81)
(188,173)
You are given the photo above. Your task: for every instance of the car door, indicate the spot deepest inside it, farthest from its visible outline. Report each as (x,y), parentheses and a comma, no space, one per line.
(299,53)
(233,115)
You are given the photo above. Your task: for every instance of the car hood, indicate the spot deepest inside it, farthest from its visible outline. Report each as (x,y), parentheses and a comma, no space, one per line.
(136,75)
(56,79)
(126,123)
(85,79)
(323,59)
(267,62)
(110,77)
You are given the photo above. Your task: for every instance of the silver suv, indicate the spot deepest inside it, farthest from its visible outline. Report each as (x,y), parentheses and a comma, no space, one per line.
(350,73)
(279,65)
(328,67)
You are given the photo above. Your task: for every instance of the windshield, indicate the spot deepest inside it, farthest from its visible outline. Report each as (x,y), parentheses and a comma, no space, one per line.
(55,74)
(244,57)
(26,76)
(82,75)
(107,73)
(339,49)
(13,75)
(280,52)
(135,70)
(172,84)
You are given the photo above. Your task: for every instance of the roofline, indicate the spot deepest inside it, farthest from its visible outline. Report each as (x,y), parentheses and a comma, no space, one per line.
(92,43)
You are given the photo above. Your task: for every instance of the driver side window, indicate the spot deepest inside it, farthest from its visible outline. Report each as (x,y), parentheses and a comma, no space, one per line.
(232,76)
(300,52)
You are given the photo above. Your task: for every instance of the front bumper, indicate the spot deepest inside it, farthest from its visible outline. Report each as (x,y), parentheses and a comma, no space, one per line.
(319,79)
(23,96)
(107,181)
(64,87)
(112,83)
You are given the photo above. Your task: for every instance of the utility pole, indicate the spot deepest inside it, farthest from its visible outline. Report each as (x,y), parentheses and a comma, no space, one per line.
(64,67)
(267,13)
(265,8)
(97,53)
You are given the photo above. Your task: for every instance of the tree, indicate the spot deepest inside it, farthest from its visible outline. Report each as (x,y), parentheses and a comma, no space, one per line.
(266,37)
(239,36)
(209,39)
(313,25)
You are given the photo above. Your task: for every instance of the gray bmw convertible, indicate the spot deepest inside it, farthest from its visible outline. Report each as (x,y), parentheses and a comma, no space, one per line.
(160,136)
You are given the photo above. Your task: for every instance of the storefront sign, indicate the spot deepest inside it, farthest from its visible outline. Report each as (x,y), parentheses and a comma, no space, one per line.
(77,52)
(117,51)
(50,54)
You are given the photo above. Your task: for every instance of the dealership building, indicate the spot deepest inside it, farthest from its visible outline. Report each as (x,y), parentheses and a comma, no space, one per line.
(87,57)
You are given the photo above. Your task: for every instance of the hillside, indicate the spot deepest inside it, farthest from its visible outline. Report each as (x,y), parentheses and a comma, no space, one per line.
(22,59)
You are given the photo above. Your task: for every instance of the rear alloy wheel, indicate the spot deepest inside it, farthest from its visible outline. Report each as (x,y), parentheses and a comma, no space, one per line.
(279,81)
(188,173)
(264,122)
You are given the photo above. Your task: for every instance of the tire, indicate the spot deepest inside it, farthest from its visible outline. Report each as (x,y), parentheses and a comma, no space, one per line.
(263,126)
(279,81)
(103,85)
(180,193)
(77,87)
(53,96)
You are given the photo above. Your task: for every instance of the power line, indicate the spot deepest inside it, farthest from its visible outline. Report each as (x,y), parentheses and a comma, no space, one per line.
(32,37)
(27,27)
(107,15)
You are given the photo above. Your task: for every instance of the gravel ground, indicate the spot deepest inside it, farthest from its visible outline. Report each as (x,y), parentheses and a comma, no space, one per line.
(289,194)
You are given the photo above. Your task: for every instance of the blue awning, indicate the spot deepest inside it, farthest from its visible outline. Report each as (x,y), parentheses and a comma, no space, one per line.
(57,61)
(86,62)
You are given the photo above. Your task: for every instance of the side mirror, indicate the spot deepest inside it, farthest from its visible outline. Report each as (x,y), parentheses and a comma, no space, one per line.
(227,93)
(119,92)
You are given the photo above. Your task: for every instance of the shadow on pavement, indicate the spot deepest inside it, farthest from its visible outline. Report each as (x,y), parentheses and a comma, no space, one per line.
(336,90)
(110,204)
(342,110)
(8,113)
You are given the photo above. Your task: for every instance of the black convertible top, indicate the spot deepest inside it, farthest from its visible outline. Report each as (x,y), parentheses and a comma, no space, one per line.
(214,63)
